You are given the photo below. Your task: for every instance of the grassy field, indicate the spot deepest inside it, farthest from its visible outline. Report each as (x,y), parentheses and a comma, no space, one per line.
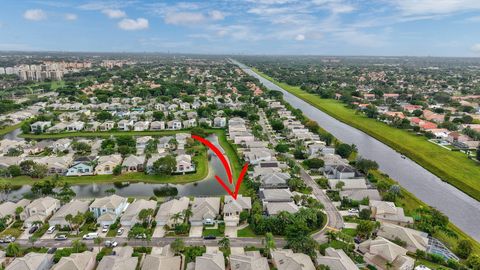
(453,167)
(9,129)
(409,203)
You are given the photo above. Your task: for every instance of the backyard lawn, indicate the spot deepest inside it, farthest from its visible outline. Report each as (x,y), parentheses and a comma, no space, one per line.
(453,167)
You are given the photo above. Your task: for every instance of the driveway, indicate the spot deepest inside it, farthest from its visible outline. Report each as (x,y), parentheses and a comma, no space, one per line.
(196,231)
(231,231)
(159,232)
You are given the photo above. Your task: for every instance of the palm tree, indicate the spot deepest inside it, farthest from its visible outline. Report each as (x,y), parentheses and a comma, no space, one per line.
(77,245)
(187,213)
(269,243)
(176,217)
(177,246)
(13,250)
(145,215)
(98,241)
(18,211)
(225,245)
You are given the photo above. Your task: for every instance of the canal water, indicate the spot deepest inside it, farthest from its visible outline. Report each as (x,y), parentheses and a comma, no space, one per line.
(461,209)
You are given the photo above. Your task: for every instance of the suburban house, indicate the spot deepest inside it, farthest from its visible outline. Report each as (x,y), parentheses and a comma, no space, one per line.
(286,259)
(250,260)
(219,122)
(168,209)
(106,164)
(80,168)
(212,259)
(414,240)
(125,125)
(277,200)
(72,208)
(75,126)
(106,126)
(130,216)
(141,126)
(232,209)
(163,260)
(92,126)
(133,163)
(174,125)
(108,209)
(189,123)
(32,260)
(258,155)
(274,180)
(380,252)
(164,142)
(39,210)
(121,260)
(360,194)
(55,165)
(387,212)
(40,126)
(141,143)
(8,208)
(184,164)
(157,125)
(340,172)
(336,259)
(77,261)
(204,210)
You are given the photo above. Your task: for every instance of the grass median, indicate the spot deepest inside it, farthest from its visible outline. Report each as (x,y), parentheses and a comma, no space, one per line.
(452,167)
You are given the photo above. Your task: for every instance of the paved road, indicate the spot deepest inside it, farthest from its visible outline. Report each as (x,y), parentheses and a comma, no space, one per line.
(191,241)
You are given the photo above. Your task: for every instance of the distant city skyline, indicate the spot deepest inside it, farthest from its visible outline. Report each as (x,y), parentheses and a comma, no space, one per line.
(278,27)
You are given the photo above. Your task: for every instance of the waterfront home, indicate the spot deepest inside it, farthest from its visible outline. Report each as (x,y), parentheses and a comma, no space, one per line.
(382,253)
(122,259)
(125,125)
(219,122)
(189,123)
(250,260)
(286,259)
(141,126)
(165,142)
(360,194)
(8,209)
(92,126)
(77,261)
(54,164)
(184,164)
(258,155)
(133,163)
(130,216)
(241,137)
(387,212)
(336,259)
(168,209)
(414,240)
(212,259)
(232,209)
(157,125)
(204,210)
(40,126)
(355,183)
(106,126)
(72,208)
(75,126)
(340,172)
(205,122)
(59,127)
(81,168)
(174,125)
(274,180)
(39,210)
(106,164)
(108,209)
(32,261)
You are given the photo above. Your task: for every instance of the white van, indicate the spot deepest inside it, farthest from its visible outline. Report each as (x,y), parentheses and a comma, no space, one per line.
(90,236)
(51,229)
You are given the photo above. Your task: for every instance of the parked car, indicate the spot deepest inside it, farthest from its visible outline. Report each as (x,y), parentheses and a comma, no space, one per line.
(105,228)
(8,239)
(120,231)
(209,237)
(353,211)
(33,229)
(51,229)
(51,250)
(61,237)
(90,236)
(109,243)
(141,236)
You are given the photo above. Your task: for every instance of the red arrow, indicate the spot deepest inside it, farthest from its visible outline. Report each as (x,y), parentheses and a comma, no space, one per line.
(226,166)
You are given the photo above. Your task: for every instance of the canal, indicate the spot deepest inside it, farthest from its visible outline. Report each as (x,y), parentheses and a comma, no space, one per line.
(461,209)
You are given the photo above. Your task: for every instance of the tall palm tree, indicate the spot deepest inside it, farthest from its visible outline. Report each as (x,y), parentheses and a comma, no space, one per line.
(187,213)
(176,217)
(269,243)
(13,249)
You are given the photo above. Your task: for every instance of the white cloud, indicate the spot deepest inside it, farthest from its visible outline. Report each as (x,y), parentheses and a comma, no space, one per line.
(132,24)
(216,15)
(70,17)
(114,13)
(184,18)
(415,7)
(300,37)
(475,48)
(34,15)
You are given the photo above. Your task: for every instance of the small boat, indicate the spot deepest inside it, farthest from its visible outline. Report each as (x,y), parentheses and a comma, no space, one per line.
(403,157)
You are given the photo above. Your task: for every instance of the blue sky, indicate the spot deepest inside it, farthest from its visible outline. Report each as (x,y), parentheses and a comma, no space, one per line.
(326,27)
